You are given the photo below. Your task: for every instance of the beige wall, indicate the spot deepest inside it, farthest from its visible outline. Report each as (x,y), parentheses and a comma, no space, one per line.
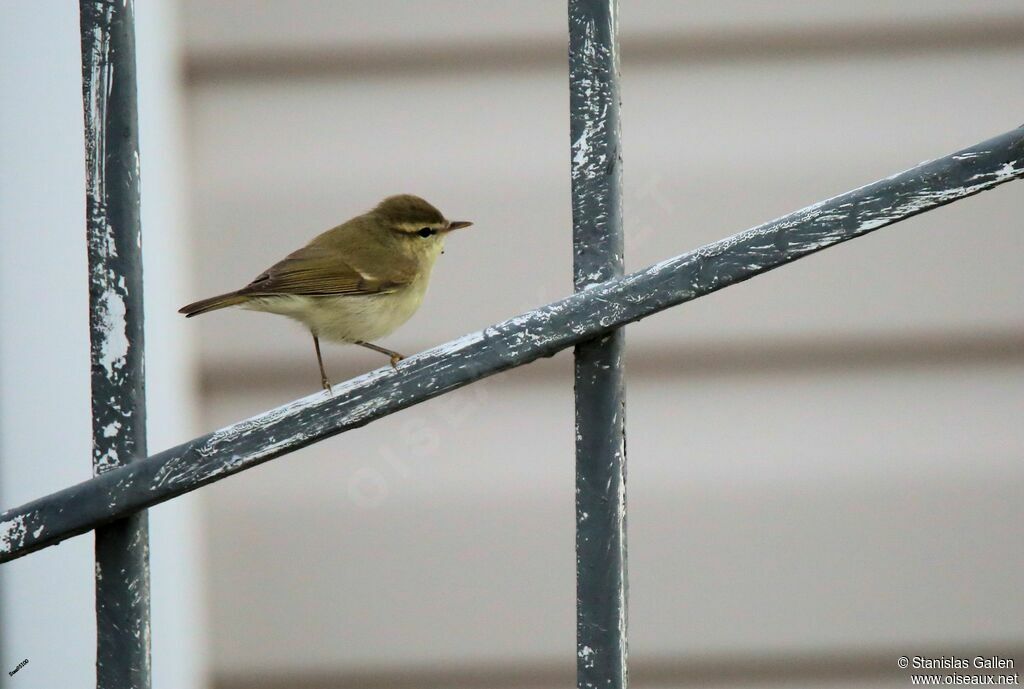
(825,462)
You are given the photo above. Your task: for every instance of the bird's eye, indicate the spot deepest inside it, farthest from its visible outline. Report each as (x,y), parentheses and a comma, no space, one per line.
(426,232)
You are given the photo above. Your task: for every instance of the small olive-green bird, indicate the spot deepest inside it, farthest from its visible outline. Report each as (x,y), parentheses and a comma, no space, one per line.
(354,283)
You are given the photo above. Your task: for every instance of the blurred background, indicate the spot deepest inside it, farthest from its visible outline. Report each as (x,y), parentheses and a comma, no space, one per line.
(824,463)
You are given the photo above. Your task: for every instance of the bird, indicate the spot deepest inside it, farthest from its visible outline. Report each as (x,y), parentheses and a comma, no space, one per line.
(355,283)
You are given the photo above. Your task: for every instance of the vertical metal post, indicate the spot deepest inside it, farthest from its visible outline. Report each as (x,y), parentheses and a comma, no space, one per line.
(115,329)
(600,406)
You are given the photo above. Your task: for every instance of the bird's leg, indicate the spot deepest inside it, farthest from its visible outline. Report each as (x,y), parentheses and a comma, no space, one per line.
(320,360)
(395,356)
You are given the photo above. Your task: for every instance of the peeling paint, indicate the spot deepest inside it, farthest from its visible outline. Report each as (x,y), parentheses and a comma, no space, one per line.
(598,256)
(116,337)
(113,332)
(12,533)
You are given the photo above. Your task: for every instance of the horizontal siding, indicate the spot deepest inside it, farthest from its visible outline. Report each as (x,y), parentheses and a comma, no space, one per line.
(769,514)
(220,27)
(823,460)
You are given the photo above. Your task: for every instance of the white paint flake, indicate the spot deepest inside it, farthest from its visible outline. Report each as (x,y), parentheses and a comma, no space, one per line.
(113,331)
(581,149)
(456,345)
(12,533)
(109,460)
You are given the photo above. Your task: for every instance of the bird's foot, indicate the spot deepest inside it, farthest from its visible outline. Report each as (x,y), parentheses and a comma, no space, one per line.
(395,356)
(327,386)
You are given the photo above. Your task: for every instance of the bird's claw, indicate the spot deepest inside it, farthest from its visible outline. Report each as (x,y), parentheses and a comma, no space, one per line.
(395,358)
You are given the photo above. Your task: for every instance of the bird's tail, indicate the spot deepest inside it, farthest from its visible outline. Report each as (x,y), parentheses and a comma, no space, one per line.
(212,304)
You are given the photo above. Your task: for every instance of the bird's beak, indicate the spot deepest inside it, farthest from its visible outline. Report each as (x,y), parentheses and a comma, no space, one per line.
(457,225)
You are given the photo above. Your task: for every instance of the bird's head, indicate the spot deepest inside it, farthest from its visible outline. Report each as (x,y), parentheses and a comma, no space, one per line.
(415,219)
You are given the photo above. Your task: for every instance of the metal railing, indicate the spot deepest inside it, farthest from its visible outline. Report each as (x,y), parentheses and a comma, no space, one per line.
(126,482)
(600,404)
(114,235)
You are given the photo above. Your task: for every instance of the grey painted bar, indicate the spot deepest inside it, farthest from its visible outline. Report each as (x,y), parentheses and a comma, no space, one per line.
(116,333)
(593,312)
(600,404)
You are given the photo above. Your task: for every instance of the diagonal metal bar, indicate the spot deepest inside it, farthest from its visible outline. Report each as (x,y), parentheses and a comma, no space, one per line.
(582,316)
(599,382)
(116,333)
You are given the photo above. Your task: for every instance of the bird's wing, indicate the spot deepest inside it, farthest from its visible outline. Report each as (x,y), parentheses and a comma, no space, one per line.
(321,271)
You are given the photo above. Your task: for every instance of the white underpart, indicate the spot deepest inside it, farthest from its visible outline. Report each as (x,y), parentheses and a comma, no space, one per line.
(351,318)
